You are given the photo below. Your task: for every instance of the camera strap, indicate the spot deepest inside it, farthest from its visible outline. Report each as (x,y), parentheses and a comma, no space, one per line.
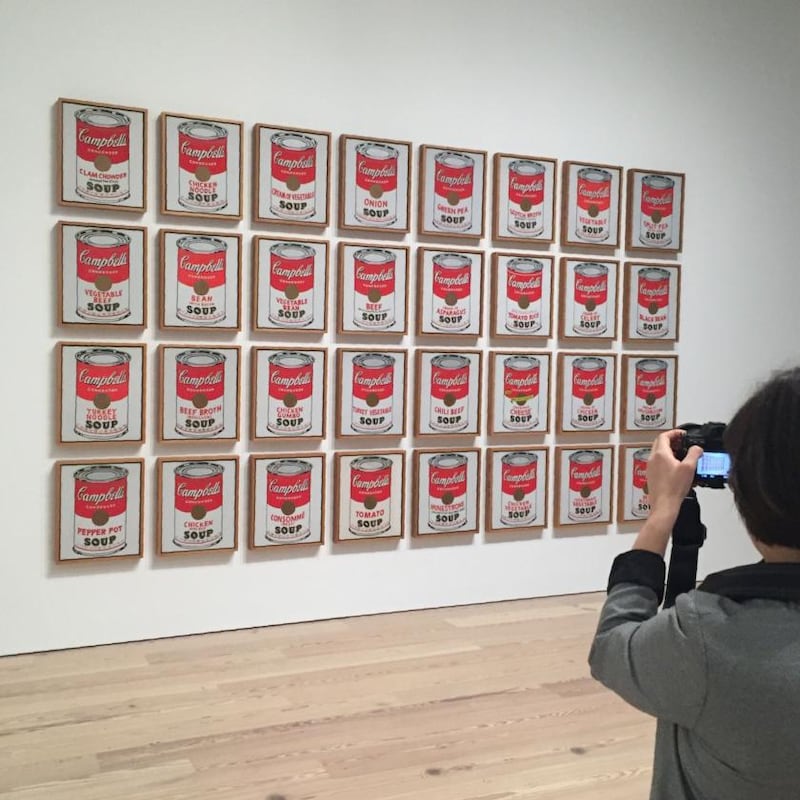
(688,536)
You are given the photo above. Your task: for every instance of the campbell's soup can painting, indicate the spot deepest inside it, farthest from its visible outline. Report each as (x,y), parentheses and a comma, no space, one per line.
(291,284)
(521,376)
(294,175)
(524,295)
(655,228)
(590,299)
(640,500)
(650,376)
(518,479)
(588,392)
(202,166)
(449,392)
(370,495)
(103,144)
(453,189)
(201,279)
(288,501)
(198,504)
(102,386)
(101,507)
(373,393)
(593,205)
(652,305)
(291,382)
(200,393)
(525,198)
(452,292)
(103,268)
(376,183)
(374,271)
(585,485)
(447,491)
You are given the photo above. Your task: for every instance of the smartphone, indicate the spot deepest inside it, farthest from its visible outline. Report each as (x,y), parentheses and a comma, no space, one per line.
(714,467)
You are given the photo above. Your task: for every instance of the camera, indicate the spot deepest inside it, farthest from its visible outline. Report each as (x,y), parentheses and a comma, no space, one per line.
(715,463)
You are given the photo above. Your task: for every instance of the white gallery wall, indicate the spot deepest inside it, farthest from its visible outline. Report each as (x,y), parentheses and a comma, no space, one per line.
(707,87)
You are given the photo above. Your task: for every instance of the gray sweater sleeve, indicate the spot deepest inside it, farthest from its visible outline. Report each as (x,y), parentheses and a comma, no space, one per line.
(655,661)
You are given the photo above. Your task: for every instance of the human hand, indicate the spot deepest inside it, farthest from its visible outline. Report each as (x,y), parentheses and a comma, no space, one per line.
(668,479)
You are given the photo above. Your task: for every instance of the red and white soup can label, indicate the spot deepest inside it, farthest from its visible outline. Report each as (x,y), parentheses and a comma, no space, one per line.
(101,507)
(291,284)
(291,383)
(640,500)
(449,392)
(652,305)
(658,194)
(447,491)
(525,216)
(590,299)
(288,501)
(593,205)
(650,409)
(370,495)
(102,387)
(202,262)
(202,166)
(588,392)
(524,295)
(103,265)
(453,189)
(374,276)
(103,146)
(521,383)
(373,393)
(293,189)
(376,183)
(452,292)
(198,504)
(518,480)
(585,485)
(200,393)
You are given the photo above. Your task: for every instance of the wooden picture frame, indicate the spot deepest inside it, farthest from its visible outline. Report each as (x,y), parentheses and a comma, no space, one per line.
(102,156)
(519,392)
(584,485)
(516,489)
(649,392)
(590,205)
(449,292)
(288,393)
(201,280)
(369,495)
(287,500)
(584,392)
(655,211)
(588,302)
(633,504)
(99,509)
(291,175)
(201,166)
(372,290)
(102,275)
(102,393)
(371,391)
(651,302)
(524,195)
(374,184)
(200,396)
(290,285)
(198,505)
(522,295)
(449,390)
(446,491)
(452,192)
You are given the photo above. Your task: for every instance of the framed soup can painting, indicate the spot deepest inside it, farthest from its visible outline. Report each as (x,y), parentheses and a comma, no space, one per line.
(590,205)
(655,210)
(516,489)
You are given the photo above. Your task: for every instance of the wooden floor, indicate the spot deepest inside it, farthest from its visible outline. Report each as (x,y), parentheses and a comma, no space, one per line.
(477,703)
